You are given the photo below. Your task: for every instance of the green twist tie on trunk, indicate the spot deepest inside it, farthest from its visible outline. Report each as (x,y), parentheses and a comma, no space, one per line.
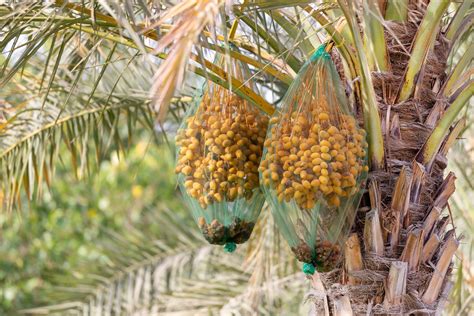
(308,268)
(320,53)
(230,247)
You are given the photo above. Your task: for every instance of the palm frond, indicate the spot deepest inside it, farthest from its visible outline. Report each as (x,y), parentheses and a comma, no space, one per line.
(434,142)
(457,20)
(65,86)
(375,39)
(371,112)
(168,270)
(397,10)
(191,19)
(271,4)
(86,111)
(461,67)
(423,43)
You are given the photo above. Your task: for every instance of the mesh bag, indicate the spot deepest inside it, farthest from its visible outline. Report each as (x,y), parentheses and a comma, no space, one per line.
(314,165)
(219,147)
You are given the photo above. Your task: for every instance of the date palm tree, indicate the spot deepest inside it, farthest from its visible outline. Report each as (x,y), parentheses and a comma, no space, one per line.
(87,75)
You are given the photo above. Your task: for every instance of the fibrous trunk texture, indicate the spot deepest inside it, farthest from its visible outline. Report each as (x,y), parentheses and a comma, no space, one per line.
(399,258)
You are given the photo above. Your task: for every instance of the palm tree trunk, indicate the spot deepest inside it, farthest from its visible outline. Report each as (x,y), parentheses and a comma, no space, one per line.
(398,259)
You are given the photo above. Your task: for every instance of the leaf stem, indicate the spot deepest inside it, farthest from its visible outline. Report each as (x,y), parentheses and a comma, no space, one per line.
(397,10)
(221,79)
(369,102)
(423,43)
(432,145)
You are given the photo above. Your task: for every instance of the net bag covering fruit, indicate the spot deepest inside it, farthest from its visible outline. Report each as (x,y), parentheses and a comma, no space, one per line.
(219,147)
(314,165)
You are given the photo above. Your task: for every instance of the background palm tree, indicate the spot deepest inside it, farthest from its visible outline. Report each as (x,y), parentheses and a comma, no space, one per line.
(80,74)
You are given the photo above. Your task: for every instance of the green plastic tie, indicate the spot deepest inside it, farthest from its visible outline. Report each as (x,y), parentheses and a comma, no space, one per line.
(308,268)
(230,247)
(320,53)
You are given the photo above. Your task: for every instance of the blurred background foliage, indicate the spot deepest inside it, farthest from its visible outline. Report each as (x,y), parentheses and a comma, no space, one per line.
(63,228)
(461,161)
(97,232)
